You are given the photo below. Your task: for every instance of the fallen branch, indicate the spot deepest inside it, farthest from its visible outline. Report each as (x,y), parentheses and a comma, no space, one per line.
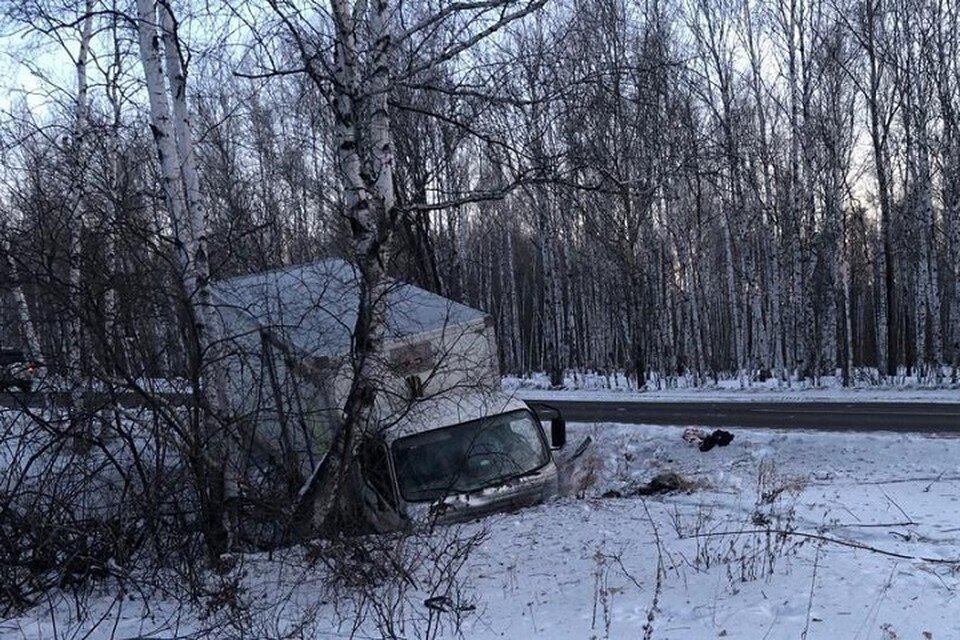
(875,525)
(816,536)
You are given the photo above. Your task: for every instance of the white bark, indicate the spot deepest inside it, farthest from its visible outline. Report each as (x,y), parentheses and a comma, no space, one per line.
(166,85)
(366,166)
(916,121)
(76,198)
(869,41)
(117,344)
(205,316)
(162,127)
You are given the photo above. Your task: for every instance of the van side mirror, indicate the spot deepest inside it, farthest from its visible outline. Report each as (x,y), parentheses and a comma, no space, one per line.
(558,426)
(558,432)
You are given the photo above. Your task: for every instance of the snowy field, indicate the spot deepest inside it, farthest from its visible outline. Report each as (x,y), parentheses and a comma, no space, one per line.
(618,387)
(869,549)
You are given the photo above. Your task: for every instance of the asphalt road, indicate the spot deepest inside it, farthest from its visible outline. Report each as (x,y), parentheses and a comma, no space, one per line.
(906,417)
(915,417)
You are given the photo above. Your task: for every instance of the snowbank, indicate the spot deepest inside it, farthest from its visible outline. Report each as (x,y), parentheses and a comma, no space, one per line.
(823,534)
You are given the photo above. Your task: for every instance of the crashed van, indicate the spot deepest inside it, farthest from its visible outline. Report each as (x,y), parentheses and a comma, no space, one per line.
(448,444)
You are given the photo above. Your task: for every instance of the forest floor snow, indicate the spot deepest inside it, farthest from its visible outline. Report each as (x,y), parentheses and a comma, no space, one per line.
(619,388)
(882,513)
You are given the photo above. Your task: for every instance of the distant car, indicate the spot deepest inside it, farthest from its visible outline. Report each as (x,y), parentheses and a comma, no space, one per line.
(16,370)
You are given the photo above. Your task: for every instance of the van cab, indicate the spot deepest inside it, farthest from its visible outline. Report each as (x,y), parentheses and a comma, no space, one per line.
(457,459)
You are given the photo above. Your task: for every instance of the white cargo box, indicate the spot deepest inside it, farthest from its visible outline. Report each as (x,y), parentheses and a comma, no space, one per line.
(288,336)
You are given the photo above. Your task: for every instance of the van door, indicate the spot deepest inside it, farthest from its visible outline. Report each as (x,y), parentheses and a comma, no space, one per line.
(379,490)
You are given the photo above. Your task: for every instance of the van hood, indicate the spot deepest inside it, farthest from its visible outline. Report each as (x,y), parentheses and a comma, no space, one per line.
(525,491)
(445,410)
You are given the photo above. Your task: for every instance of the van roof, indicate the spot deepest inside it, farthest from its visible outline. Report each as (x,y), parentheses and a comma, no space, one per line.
(314,306)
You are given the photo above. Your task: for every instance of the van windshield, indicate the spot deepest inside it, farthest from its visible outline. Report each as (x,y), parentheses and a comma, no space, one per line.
(469,456)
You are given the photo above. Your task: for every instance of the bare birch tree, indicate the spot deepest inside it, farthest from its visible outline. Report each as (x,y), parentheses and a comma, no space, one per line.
(208,450)
(365,39)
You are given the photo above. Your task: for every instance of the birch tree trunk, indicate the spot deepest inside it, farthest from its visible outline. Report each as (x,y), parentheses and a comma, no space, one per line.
(77,223)
(208,451)
(115,345)
(365,159)
(917,100)
(879,134)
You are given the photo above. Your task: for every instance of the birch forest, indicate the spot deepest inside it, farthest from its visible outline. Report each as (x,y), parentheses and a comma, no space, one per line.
(670,188)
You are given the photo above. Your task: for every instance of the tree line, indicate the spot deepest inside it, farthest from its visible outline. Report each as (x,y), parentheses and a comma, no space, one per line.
(696,188)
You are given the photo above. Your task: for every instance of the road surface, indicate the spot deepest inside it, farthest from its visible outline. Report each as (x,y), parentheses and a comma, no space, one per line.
(917,417)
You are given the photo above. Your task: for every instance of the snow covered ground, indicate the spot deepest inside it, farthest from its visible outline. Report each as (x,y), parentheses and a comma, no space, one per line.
(883,562)
(589,567)
(617,387)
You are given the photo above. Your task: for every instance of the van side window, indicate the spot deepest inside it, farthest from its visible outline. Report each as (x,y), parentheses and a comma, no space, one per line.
(376,469)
